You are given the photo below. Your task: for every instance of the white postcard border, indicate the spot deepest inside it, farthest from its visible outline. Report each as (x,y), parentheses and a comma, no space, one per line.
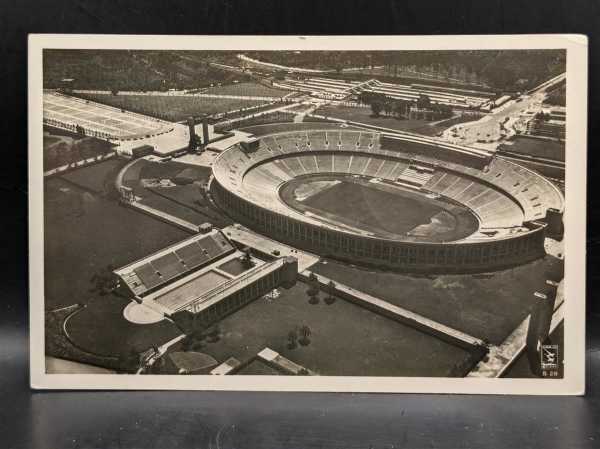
(573,382)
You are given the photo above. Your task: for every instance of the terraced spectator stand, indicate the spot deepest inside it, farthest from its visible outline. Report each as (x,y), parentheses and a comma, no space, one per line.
(151,273)
(510,202)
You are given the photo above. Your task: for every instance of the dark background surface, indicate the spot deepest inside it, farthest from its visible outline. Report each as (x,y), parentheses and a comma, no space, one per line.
(249,420)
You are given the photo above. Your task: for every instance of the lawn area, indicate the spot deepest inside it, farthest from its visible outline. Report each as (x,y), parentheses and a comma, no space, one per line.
(443,125)
(171,169)
(531,146)
(372,208)
(172,108)
(187,201)
(345,338)
(145,169)
(364,115)
(85,233)
(101,329)
(484,306)
(261,130)
(379,208)
(98,178)
(61,148)
(249,89)
(58,345)
(192,198)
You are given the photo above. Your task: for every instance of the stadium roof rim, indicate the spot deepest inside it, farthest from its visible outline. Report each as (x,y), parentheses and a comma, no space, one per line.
(440,143)
(393,134)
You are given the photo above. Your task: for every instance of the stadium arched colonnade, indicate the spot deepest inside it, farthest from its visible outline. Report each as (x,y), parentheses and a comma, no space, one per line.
(515,206)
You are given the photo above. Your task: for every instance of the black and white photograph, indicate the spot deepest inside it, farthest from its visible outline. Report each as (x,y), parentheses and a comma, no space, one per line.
(308,213)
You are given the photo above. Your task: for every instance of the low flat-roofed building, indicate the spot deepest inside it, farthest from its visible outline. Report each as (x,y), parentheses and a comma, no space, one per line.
(251,144)
(199,280)
(203,306)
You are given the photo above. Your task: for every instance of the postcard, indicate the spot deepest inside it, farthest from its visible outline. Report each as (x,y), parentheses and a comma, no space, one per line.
(308,213)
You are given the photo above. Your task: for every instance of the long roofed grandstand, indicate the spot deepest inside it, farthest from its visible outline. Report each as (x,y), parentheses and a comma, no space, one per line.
(151,272)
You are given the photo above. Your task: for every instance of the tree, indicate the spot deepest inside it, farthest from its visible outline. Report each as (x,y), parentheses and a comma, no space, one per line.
(292,340)
(376,107)
(313,290)
(330,298)
(305,333)
(423,102)
(363,97)
(104,281)
(129,360)
(213,334)
(247,259)
(397,108)
(388,107)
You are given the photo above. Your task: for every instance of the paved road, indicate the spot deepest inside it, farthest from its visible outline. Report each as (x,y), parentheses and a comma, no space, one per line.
(514,115)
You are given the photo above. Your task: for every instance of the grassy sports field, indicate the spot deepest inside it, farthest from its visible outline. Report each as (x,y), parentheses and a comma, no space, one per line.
(372,208)
(61,148)
(379,208)
(345,339)
(531,146)
(99,232)
(101,329)
(172,108)
(261,130)
(187,201)
(365,115)
(484,306)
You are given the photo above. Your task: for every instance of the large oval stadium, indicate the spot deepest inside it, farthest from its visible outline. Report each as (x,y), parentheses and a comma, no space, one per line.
(400,201)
